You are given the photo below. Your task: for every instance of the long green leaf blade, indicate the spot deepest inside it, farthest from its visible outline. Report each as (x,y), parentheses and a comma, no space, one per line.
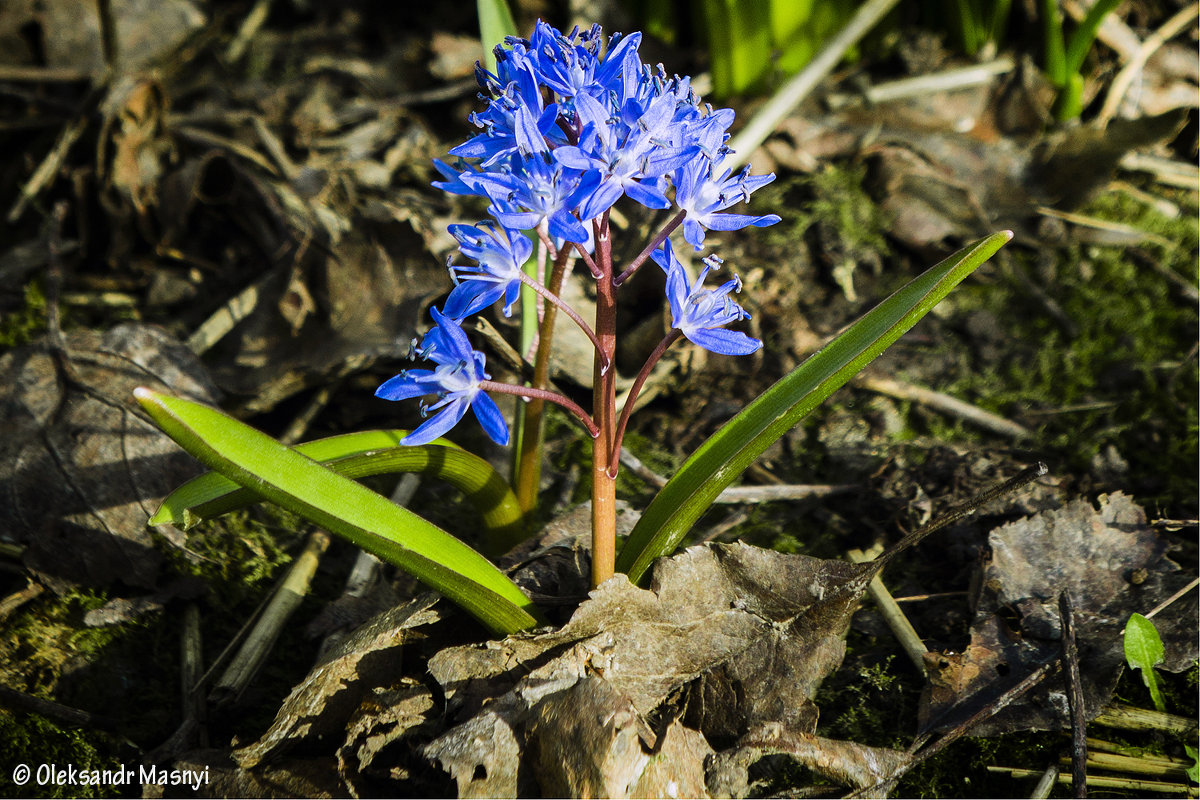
(338,504)
(727,453)
(495,23)
(359,455)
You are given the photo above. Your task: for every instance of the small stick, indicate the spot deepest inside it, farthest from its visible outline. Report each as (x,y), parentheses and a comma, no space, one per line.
(1132,718)
(225,318)
(795,90)
(944,81)
(1120,85)
(945,404)
(1045,784)
(20,701)
(287,599)
(48,169)
(904,631)
(742,494)
(1158,609)
(1153,788)
(1070,661)
(191,651)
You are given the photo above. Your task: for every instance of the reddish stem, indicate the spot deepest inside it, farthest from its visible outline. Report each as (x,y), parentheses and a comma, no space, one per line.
(614,458)
(604,400)
(636,264)
(544,394)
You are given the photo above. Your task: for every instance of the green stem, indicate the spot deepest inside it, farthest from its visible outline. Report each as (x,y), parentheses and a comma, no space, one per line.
(528,469)
(566,309)
(604,400)
(1052,34)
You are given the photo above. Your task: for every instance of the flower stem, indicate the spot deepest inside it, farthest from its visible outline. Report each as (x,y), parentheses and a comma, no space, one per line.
(545,395)
(636,264)
(614,458)
(570,312)
(528,469)
(604,400)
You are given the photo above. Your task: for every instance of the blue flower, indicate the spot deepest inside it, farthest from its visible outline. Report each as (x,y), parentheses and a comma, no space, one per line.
(701,314)
(455,381)
(499,254)
(623,159)
(527,189)
(703,189)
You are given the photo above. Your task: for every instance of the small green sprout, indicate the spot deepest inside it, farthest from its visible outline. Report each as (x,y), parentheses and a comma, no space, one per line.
(1144,650)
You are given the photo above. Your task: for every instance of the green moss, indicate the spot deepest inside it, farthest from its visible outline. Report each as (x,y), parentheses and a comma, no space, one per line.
(237,553)
(25,324)
(1124,384)
(33,740)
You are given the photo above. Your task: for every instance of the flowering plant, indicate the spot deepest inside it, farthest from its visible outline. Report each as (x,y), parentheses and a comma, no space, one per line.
(574,124)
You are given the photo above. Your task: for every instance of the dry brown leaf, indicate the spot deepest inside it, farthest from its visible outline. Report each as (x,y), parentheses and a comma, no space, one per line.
(320,705)
(81,468)
(1110,562)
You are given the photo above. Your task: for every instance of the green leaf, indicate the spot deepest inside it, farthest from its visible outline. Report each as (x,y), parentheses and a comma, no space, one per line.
(1144,650)
(727,453)
(280,474)
(358,455)
(1193,772)
(495,22)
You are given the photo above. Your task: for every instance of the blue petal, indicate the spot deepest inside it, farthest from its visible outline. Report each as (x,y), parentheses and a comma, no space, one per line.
(406,385)
(471,297)
(647,196)
(489,416)
(735,222)
(601,199)
(438,424)
(725,342)
(693,233)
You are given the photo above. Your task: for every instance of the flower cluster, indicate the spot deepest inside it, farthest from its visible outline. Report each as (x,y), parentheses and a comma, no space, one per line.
(573,124)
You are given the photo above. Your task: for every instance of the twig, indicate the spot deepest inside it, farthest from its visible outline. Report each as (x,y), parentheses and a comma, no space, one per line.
(794,91)
(1167,171)
(48,169)
(1045,784)
(191,656)
(1131,718)
(903,630)
(225,318)
(1158,609)
(1120,85)
(1108,226)
(943,403)
(20,701)
(743,494)
(249,27)
(17,74)
(1153,788)
(287,599)
(1070,661)
(17,599)
(944,81)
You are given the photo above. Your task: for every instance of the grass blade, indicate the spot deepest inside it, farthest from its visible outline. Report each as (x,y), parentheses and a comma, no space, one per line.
(341,506)
(727,453)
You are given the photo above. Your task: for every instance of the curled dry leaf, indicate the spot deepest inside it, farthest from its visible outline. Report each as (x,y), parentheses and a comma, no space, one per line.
(1110,562)
(741,637)
(320,705)
(81,469)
